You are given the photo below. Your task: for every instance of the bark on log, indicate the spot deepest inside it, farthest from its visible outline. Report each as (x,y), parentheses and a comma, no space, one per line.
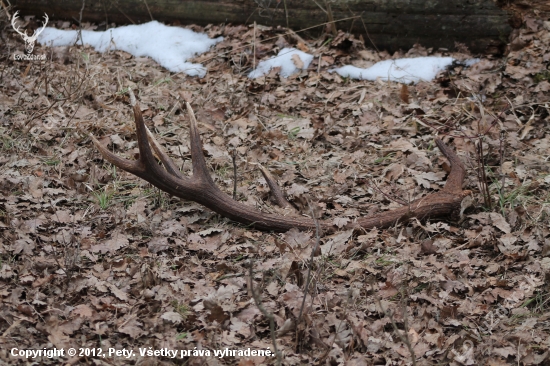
(391,24)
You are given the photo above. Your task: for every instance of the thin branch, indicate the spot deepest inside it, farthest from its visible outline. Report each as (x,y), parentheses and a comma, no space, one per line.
(313,251)
(501,152)
(234,158)
(368,35)
(148,10)
(404,338)
(254,48)
(286,14)
(394,199)
(267,314)
(5,9)
(331,19)
(80,24)
(113,3)
(482,177)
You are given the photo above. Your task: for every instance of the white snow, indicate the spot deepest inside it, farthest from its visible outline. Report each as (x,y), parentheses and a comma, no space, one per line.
(404,70)
(171,47)
(471,62)
(285,61)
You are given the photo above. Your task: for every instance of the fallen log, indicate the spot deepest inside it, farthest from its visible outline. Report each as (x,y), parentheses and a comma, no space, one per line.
(388,24)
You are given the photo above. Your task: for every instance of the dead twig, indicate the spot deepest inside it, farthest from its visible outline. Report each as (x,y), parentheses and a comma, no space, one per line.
(331,21)
(80,25)
(405,336)
(234,158)
(267,314)
(481,174)
(148,10)
(308,277)
(311,257)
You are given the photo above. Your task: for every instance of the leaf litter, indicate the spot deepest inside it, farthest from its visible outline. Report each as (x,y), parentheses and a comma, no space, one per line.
(91,256)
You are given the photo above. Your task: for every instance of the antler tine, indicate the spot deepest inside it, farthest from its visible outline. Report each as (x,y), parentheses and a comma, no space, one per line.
(163,157)
(146,159)
(276,191)
(456,176)
(134,167)
(13,19)
(200,169)
(40,30)
(145,152)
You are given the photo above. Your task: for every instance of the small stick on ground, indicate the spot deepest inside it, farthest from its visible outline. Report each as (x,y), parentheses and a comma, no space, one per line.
(482,177)
(254,49)
(308,278)
(501,148)
(393,199)
(234,158)
(405,337)
(267,314)
(313,251)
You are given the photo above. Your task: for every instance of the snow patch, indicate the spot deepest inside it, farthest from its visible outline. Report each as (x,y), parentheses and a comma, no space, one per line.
(404,70)
(286,60)
(171,47)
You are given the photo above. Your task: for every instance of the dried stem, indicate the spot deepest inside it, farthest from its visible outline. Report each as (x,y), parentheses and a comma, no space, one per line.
(331,19)
(308,279)
(481,174)
(502,144)
(234,158)
(403,337)
(393,199)
(267,314)
(148,10)
(254,48)
(80,24)
(313,251)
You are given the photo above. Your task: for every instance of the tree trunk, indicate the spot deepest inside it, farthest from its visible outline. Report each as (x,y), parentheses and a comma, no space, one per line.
(388,24)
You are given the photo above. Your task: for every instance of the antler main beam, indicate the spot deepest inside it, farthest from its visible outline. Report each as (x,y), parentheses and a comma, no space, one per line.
(200,187)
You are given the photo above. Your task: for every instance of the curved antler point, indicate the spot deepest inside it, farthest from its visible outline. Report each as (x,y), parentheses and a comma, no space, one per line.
(133,100)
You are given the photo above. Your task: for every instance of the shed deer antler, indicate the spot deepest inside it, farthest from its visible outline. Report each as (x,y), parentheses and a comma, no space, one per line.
(200,187)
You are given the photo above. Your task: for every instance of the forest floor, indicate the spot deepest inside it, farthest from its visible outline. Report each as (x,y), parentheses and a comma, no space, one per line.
(93,258)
